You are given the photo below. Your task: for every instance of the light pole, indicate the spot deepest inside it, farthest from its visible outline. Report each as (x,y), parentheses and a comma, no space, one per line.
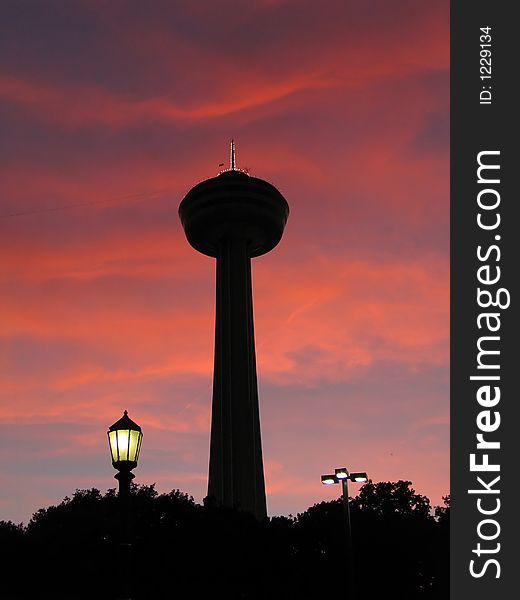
(124,439)
(342,475)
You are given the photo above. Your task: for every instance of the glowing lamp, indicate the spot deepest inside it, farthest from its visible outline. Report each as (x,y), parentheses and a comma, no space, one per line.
(328,479)
(341,473)
(359,477)
(124,438)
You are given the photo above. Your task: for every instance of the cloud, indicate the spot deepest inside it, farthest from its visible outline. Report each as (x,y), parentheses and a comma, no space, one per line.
(110,112)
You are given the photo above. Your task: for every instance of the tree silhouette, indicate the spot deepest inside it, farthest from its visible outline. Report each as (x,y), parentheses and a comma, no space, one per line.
(395,529)
(182,548)
(442,513)
(12,555)
(388,498)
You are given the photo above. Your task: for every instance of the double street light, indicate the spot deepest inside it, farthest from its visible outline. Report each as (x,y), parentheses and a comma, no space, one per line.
(342,476)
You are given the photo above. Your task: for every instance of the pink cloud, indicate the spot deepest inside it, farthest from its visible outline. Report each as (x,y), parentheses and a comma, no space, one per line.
(106,307)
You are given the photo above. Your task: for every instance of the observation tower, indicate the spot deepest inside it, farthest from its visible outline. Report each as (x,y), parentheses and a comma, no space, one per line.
(235,217)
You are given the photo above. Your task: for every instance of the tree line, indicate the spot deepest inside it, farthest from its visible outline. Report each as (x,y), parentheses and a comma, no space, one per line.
(78,549)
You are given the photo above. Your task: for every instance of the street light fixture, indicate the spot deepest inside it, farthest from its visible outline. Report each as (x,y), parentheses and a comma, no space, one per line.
(359,477)
(124,438)
(328,479)
(342,475)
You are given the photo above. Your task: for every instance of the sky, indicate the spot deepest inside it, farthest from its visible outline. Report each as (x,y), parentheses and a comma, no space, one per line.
(110,111)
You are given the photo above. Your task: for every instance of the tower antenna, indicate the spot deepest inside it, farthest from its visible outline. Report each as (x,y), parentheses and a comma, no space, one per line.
(232,156)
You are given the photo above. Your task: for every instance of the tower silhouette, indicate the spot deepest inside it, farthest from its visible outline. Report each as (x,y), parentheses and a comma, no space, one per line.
(234,217)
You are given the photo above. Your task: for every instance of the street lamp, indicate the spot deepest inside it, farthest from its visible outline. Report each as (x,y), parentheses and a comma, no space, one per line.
(342,475)
(124,438)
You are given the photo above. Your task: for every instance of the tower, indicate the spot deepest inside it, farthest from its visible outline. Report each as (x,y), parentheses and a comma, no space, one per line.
(234,217)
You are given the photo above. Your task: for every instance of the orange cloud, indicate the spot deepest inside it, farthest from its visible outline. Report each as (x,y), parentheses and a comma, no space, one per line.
(104,306)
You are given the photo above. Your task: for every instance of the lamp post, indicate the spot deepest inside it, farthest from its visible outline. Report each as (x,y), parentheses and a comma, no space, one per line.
(342,475)
(124,439)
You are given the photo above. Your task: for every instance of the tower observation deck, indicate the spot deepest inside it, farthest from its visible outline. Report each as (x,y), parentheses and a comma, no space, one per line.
(234,217)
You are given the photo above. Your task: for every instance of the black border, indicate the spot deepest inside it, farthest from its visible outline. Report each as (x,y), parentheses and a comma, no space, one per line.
(474,128)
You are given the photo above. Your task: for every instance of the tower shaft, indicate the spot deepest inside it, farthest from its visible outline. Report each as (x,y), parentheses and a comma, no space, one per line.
(236,476)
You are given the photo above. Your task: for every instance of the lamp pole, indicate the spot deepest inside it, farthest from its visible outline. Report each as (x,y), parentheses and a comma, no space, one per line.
(348,529)
(342,475)
(124,478)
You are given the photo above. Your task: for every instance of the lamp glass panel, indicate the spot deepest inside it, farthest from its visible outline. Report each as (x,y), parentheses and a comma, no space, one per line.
(133,445)
(112,437)
(122,443)
(139,446)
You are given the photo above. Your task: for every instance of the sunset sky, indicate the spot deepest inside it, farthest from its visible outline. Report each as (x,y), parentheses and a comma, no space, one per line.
(110,111)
